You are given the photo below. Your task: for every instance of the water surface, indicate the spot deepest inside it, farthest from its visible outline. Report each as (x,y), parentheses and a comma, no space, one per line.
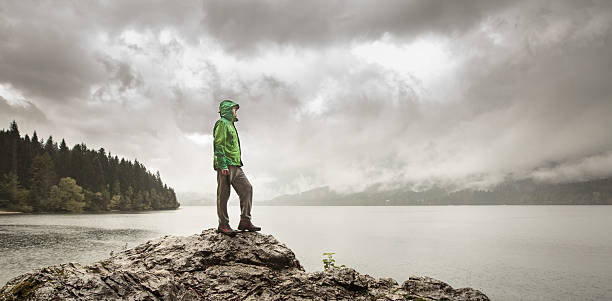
(508,252)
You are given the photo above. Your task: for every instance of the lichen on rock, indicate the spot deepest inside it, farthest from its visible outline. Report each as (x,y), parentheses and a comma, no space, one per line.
(212,266)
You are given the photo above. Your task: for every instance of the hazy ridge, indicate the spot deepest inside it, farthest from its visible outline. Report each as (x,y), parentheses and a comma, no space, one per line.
(523,192)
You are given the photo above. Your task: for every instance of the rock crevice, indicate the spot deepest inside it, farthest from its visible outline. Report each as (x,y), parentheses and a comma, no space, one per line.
(212,266)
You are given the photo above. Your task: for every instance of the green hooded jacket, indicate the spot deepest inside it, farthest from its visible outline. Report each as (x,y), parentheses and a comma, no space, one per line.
(226,144)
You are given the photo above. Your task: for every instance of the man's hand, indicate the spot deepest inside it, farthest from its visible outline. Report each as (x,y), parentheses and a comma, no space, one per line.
(225,171)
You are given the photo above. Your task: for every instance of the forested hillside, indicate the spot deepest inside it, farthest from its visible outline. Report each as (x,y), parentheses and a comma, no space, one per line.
(42,176)
(523,192)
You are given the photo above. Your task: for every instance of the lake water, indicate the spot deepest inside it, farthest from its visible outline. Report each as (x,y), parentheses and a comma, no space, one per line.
(508,252)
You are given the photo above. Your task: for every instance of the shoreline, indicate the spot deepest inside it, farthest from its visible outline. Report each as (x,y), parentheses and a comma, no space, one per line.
(83,212)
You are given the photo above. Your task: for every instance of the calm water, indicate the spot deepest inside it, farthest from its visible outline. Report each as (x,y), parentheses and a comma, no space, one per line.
(509,252)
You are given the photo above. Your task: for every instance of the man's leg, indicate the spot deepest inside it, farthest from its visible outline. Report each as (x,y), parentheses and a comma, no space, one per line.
(223,194)
(244,190)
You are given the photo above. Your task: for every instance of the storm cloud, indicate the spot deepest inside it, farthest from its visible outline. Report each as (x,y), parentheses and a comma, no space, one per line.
(244,24)
(338,93)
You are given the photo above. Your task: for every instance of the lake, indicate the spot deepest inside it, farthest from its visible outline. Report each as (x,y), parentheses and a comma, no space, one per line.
(508,252)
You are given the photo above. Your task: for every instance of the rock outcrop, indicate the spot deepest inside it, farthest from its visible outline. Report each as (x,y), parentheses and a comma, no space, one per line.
(211,266)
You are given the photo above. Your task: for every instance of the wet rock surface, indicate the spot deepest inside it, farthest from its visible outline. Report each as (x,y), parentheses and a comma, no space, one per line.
(212,266)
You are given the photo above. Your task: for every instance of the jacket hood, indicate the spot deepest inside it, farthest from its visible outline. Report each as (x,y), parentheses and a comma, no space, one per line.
(225,110)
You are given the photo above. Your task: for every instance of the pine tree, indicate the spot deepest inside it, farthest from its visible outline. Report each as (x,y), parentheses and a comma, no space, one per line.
(35,142)
(63,160)
(49,146)
(42,177)
(14,131)
(14,140)
(25,156)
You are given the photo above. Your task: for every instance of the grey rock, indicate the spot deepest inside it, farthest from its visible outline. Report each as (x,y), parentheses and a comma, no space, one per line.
(212,266)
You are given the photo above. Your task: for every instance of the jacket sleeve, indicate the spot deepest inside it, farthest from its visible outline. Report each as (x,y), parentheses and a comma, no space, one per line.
(220,138)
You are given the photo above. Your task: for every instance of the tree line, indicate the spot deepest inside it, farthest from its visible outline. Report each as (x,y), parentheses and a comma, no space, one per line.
(42,176)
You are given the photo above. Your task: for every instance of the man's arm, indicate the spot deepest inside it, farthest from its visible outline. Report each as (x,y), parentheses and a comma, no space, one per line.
(220,138)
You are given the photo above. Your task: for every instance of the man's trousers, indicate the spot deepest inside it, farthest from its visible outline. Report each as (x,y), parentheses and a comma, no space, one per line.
(243,188)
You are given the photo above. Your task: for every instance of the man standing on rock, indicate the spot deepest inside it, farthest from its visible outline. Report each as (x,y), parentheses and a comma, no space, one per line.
(228,164)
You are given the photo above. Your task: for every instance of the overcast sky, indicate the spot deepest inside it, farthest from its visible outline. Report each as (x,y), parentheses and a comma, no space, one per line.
(338,93)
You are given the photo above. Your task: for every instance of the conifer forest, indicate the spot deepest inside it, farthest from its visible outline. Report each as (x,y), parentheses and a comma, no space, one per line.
(44,176)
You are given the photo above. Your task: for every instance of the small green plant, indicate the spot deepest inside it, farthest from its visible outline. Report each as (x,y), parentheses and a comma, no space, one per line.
(330,262)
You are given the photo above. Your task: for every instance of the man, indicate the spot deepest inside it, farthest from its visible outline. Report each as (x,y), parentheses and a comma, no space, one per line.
(228,164)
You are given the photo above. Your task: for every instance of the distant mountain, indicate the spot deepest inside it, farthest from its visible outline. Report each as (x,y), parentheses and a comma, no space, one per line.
(523,192)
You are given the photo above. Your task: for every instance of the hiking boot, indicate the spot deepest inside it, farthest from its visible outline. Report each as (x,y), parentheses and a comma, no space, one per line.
(248,226)
(227,230)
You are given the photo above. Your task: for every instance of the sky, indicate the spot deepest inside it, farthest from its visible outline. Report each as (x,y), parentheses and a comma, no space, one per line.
(343,94)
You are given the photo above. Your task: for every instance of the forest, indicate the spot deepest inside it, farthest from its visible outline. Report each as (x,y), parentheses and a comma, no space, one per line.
(42,176)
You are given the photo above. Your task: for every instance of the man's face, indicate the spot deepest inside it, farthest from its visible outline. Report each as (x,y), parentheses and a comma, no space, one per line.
(235,111)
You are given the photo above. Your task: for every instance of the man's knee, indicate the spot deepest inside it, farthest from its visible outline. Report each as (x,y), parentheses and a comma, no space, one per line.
(244,189)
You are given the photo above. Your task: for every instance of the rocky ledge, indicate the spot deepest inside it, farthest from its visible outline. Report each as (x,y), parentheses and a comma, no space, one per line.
(212,266)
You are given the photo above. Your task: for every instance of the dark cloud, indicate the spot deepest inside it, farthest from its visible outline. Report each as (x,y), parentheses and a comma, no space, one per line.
(45,61)
(52,50)
(243,25)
